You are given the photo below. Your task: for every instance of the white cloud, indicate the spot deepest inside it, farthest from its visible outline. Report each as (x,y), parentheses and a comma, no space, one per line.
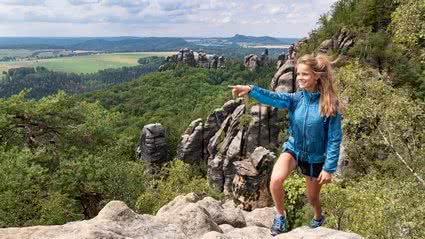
(283,18)
(22,2)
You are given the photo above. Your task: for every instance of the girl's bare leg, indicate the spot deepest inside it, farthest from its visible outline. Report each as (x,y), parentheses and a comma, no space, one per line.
(313,195)
(281,170)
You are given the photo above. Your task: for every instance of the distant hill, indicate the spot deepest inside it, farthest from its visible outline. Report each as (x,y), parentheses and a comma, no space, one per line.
(258,40)
(120,44)
(133,44)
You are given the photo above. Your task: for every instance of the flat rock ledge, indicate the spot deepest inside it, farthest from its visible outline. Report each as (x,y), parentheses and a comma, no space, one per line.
(189,216)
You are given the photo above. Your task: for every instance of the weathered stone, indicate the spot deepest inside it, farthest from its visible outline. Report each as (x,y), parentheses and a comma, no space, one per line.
(193,219)
(326,45)
(342,41)
(251,182)
(317,233)
(261,217)
(220,215)
(152,147)
(187,57)
(185,217)
(178,202)
(213,61)
(193,59)
(226,228)
(231,105)
(152,144)
(249,233)
(284,78)
(251,62)
(203,60)
(190,149)
(221,63)
(262,130)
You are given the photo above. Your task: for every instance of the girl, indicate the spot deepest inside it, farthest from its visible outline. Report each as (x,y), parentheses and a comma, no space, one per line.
(314,129)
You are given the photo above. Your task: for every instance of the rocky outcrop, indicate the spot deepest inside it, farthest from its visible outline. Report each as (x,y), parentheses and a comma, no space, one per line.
(193,147)
(252,178)
(189,216)
(340,43)
(223,140)
(152,146)
(194,59)
(252,61)
(284,78)
(227,140)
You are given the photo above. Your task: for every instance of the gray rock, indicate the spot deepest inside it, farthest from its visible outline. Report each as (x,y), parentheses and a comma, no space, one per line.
(326,45)
(251,182)
(193,220)
(214,235)
(261,217)
(190,149)
(262,129)
(220,215)
(213,61)
(221,63)
(193,59)
(187,216)
(317,233)
(251,62)
(203,60)
(226,228)
(249,233)
(152,147)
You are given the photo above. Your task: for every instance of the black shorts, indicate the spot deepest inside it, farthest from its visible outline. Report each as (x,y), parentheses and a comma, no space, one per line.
(305,166)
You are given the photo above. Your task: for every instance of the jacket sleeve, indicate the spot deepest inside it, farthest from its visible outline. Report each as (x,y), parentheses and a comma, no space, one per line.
(333,144)
(275,99)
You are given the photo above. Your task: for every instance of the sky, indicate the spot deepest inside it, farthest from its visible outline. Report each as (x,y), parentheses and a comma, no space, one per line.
(164,18)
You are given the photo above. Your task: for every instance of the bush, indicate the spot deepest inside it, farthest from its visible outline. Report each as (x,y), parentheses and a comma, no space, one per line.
(177,178)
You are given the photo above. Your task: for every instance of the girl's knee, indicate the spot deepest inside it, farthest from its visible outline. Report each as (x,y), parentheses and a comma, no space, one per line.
(276,181)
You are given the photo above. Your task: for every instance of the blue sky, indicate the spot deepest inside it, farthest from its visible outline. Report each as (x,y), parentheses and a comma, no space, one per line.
(180,18)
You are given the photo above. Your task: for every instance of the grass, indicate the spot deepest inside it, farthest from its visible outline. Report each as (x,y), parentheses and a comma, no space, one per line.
(85,64)
(16,52)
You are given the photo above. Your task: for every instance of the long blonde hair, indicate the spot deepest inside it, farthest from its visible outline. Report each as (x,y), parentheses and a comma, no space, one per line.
(321,66)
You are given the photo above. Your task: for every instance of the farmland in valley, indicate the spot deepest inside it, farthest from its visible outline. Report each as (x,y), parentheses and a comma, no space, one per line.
(83,64)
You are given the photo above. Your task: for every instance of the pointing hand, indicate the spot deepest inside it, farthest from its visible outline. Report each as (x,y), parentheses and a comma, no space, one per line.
(239,90)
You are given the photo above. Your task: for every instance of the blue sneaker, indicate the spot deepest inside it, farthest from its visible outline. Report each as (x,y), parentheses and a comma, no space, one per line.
(317,223)
(279,225)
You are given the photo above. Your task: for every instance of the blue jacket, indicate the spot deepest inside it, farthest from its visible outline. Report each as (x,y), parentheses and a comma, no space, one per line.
(313,138)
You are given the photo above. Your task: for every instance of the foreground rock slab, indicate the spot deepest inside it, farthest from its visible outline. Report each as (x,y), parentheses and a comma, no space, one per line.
(189,216)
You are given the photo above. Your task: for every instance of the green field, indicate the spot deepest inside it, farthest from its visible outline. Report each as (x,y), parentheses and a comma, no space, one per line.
(84,64)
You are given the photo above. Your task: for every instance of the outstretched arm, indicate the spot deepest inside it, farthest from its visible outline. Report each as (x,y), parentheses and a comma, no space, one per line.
(275,99)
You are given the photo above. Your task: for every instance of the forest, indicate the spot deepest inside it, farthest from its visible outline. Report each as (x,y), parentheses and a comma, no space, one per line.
(66,154)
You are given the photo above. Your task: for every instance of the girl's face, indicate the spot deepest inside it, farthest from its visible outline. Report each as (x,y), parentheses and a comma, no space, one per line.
(306,78)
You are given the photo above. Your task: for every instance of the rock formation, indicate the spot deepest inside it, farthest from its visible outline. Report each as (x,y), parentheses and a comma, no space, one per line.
(252,61)
(152,146)
(340,43)
(254,174)
(194,59)
(229,138)
(190,216)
